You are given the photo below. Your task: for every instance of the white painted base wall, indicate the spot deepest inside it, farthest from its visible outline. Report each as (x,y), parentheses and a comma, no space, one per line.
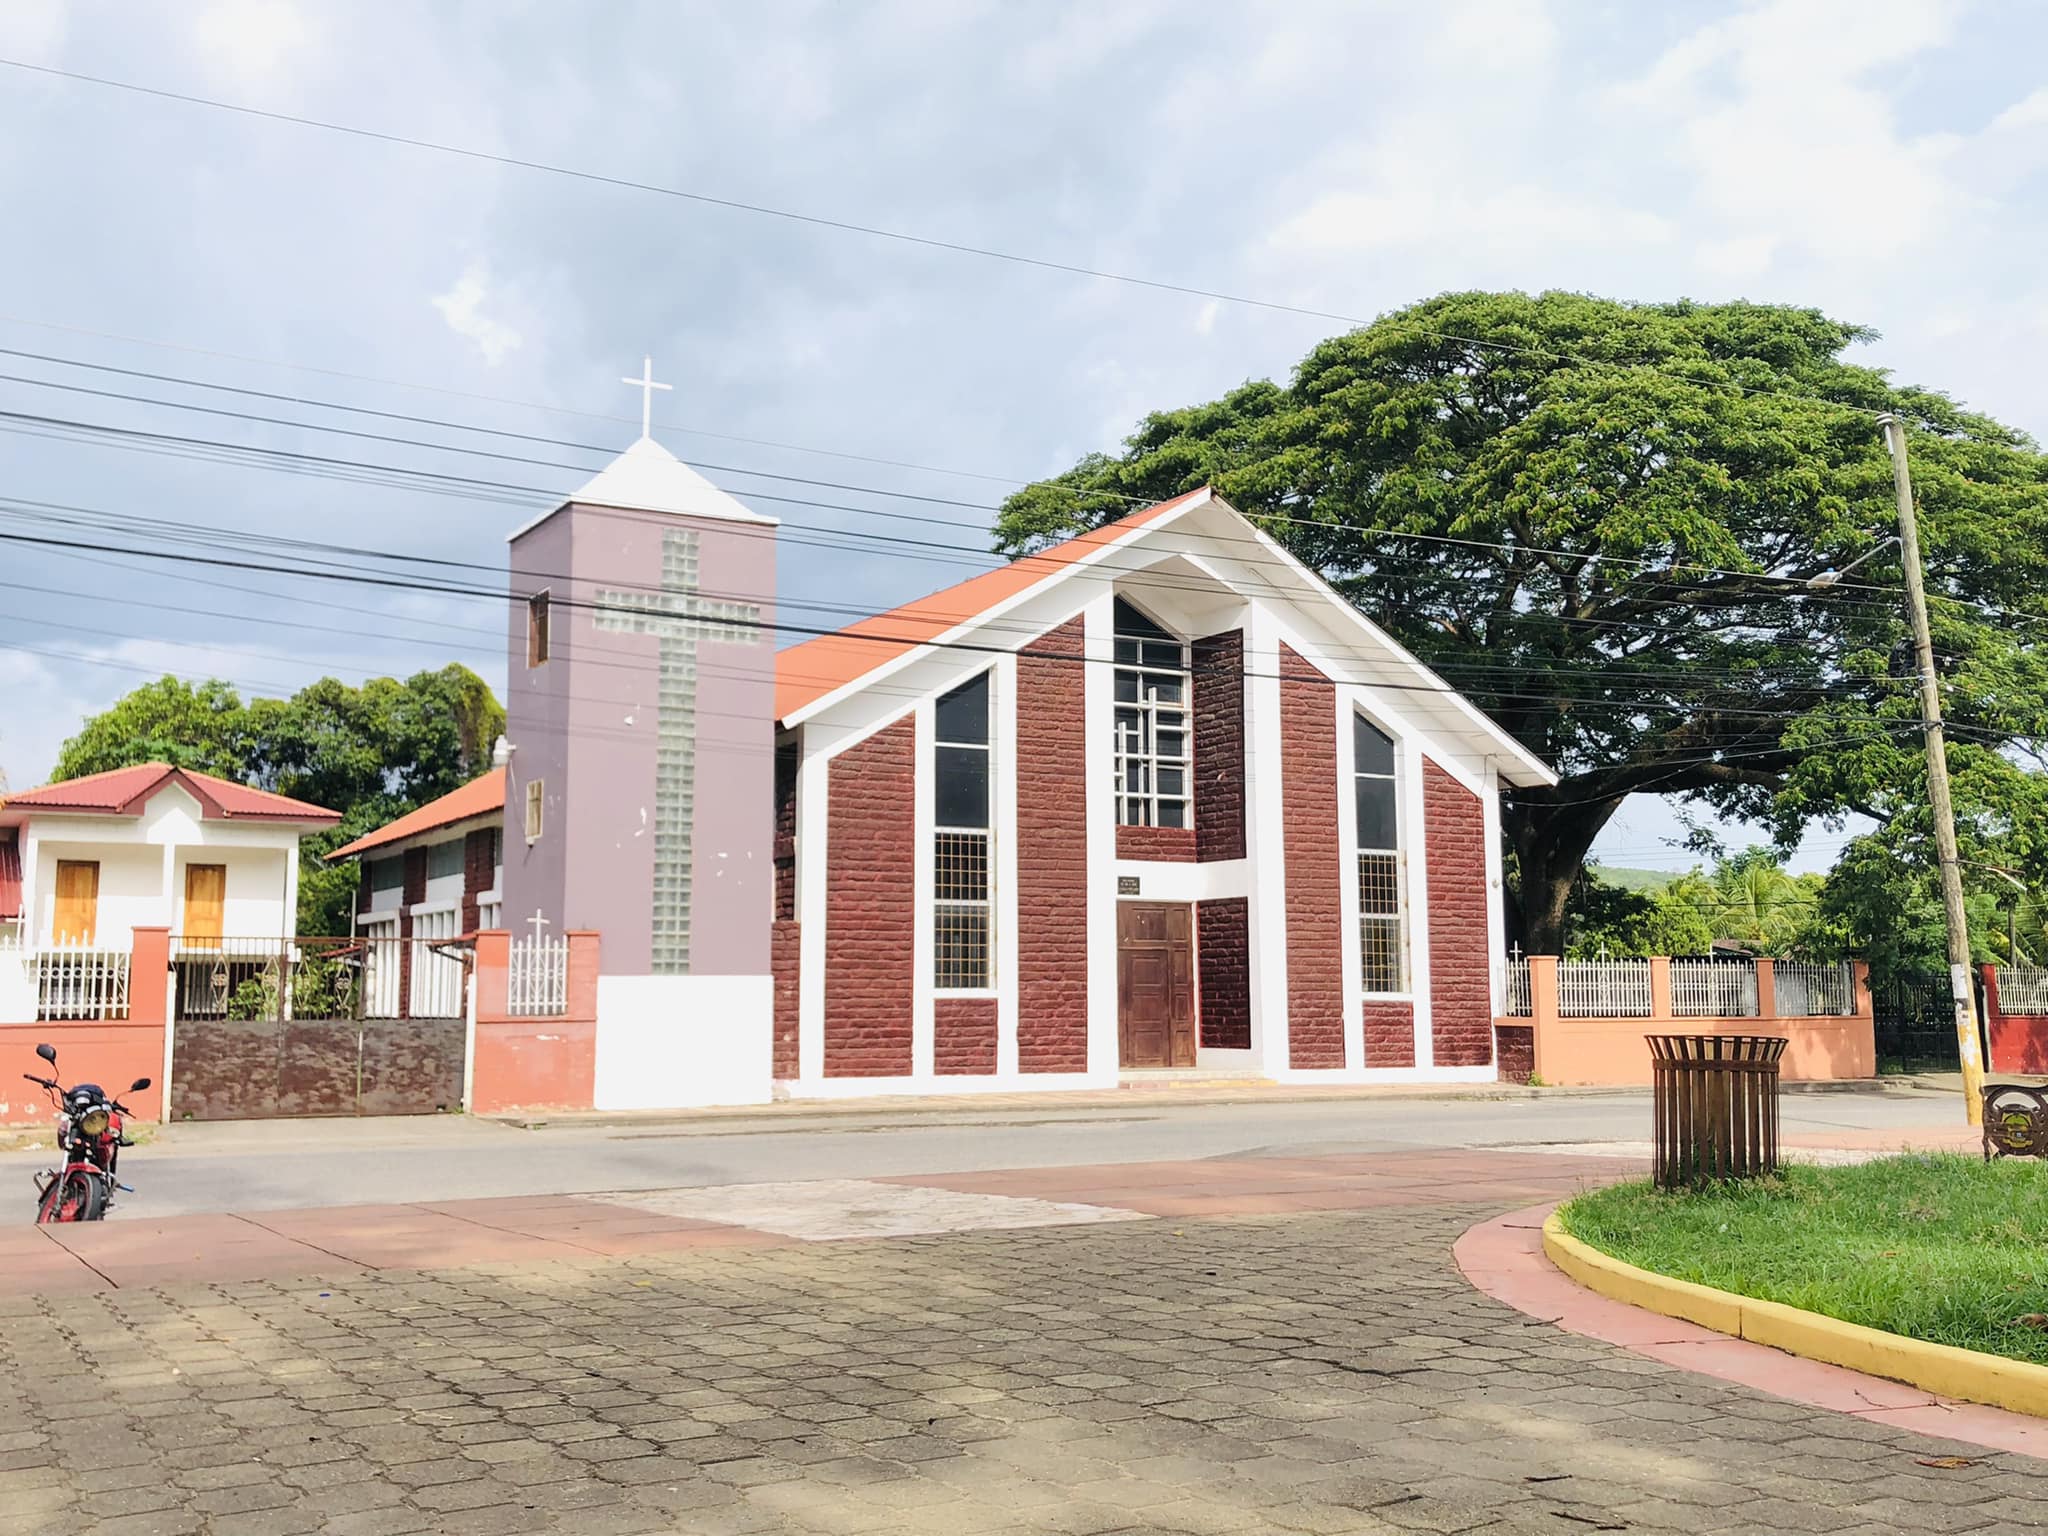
(684,1042)
(1002,1082)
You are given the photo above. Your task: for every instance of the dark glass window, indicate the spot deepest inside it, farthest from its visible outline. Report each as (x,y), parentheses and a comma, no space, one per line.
(1382,914)
(962,917)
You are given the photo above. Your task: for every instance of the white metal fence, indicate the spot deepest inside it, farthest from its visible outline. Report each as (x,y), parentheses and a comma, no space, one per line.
(1603,989)
(1814,991)
(537,978)
(1521,998)
(1713,989)
(73,982)
(2023,989)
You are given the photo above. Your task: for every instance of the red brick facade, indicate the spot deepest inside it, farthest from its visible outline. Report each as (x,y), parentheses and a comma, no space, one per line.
(410,895)
(785,964)
(1052,855)
(1308,824)
(1514,1052)
(1389,1034)
(786,758)
(1223,963)
(963,1035)
(1460,990)
(1219,745)
(1174,844)
(871,848)
(479,871)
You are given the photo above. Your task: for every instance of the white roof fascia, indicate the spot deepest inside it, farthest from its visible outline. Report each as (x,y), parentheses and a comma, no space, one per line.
(994,611)
(1533,770)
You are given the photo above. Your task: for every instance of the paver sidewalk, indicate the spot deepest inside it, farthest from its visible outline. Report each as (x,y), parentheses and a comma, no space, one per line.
(1258,1345)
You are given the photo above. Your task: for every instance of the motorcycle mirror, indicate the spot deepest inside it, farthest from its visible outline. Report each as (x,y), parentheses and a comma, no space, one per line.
(48,1053)
(138,1085)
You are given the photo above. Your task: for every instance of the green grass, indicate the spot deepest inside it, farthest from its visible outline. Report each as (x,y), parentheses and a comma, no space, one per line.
(1939,1247)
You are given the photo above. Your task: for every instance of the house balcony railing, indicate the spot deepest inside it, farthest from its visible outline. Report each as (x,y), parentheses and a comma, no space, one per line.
(78,983)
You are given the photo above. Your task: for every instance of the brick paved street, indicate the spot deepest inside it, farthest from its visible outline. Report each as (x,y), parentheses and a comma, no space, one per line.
(1311,1370)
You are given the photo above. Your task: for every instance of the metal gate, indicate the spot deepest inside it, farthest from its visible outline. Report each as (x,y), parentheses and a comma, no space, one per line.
(1914,1021)
(268,1029)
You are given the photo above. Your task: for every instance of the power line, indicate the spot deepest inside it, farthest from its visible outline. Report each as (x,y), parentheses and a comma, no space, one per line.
(904,237)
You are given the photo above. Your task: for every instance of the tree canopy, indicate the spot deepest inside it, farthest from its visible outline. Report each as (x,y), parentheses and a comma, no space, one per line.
(1598,520)
(371,752)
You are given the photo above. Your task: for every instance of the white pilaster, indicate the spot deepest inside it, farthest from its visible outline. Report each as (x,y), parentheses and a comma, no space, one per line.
(1266,908)
(1415,849)
(813,807)
(923,1033)
(1003,861)
(1098,706)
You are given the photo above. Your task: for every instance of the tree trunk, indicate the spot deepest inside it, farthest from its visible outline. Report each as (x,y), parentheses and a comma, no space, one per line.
(1550,843)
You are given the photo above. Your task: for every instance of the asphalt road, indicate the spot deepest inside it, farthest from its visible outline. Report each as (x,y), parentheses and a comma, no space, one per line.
(270,1165)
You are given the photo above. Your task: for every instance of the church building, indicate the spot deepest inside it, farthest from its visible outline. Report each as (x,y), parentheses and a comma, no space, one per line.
(1152,801)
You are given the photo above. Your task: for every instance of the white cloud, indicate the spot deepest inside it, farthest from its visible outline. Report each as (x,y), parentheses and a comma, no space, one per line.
(252,42)
(33,29)
(462,307)
(1783,116)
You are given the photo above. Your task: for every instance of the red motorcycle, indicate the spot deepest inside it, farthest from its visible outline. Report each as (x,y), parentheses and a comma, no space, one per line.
(89,1142)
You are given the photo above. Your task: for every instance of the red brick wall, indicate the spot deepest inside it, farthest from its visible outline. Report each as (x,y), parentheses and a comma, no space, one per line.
(1514,1052)
(1172,843)
(1223,961)
(1460,994)
(786,757)
(1052,855)
(479,871)
(1389,1034)
(785,965)
(871,844)
(1308,823)
(414,892)
(963,1035)
(1219,745)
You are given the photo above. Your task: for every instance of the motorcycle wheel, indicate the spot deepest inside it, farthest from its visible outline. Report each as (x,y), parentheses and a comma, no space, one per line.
(71,1197)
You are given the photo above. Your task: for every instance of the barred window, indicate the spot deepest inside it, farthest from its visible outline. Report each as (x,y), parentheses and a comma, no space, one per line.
(1153,765)
(1382,915)
(960,839)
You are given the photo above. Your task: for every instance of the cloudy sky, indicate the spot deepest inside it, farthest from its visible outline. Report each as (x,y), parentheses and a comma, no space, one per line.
(1884,159)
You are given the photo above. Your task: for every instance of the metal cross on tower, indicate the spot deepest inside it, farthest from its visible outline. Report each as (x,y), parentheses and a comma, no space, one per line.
(646,385)
(680,618)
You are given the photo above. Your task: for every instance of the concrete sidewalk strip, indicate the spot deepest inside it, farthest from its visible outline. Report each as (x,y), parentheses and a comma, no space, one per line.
(830,1209)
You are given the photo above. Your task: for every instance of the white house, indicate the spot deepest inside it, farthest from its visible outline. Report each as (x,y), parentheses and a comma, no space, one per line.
(85,863)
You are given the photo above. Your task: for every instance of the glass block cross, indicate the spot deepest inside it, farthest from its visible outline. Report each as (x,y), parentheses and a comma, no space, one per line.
(680,617)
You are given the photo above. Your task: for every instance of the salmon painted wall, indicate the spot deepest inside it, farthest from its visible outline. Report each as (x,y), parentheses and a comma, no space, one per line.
(526,1065)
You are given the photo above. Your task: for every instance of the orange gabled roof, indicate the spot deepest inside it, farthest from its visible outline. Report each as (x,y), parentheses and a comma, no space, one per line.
(123,792)
(808,672)
(479,797)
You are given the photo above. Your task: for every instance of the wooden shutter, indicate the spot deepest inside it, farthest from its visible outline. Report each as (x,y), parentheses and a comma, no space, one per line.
(206,895)
(78,901)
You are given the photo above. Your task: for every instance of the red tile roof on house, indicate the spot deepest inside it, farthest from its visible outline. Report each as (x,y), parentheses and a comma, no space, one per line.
(808,672)
(479,797)
(10,877)
(124,792)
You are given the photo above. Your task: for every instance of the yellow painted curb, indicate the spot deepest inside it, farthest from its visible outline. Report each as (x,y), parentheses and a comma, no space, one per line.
(1939,1368)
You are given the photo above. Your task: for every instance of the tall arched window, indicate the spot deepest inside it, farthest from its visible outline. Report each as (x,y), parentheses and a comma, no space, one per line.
(1382,913)
(960,839)
(1153,764)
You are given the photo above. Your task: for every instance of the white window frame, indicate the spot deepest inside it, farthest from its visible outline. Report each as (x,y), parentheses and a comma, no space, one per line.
(1360,852)
(536,809)
(1145,752)
(540,628)
(986,904)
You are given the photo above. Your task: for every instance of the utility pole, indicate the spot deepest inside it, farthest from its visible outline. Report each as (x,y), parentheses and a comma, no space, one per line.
(1960,987)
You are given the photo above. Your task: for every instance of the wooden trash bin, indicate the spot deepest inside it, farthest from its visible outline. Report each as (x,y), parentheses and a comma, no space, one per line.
(1714,1107)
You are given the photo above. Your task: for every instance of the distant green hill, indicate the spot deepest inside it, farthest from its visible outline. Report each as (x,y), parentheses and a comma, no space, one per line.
(1648,881)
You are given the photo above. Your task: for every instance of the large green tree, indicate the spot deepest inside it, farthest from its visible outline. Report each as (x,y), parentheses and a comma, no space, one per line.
(1597,520)
(371,752)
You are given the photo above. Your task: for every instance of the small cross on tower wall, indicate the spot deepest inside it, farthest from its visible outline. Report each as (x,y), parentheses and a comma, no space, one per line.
(679,618)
